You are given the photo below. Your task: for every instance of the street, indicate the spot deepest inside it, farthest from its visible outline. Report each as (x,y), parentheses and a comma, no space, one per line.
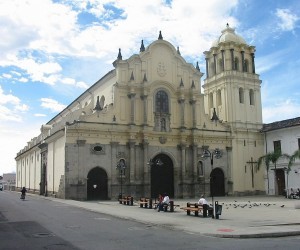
(39,223)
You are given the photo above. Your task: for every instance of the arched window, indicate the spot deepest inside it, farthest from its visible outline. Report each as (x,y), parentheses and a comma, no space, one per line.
(219,99)
(241,95)
(246,66)
(236,63)
(221,68)
(161,111)
(251,97)
(212,69)
(211,100)
(161,102)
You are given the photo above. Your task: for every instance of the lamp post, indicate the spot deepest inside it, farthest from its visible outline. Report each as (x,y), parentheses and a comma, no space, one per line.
(121,166)
(208,154)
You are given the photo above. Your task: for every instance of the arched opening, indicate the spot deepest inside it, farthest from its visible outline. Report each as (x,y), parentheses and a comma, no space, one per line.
(162,176)
(217,186)
(280,181)
(241,95)
(97,184)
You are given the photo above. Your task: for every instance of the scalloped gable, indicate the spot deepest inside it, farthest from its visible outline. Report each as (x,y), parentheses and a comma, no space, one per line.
(160,62)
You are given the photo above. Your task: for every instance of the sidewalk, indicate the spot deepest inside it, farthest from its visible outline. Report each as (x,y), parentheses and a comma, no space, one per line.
(242,217)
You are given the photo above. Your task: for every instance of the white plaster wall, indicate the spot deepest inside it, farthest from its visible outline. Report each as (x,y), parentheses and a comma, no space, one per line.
(289,144)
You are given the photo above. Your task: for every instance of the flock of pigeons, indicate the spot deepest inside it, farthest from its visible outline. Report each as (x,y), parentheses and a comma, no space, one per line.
(248,204)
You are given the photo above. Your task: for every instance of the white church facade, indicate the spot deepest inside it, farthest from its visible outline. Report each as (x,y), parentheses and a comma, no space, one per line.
(146,128)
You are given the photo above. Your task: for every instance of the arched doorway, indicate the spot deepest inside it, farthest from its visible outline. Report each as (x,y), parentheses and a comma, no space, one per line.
(162,177)
(280,181)
(217,186)
(97,184)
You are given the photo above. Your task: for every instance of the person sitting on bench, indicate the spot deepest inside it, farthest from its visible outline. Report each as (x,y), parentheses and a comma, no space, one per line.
(165,201)
(202,200)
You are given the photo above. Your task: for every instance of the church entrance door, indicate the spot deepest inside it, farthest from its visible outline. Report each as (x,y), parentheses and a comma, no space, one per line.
(280,181)
(217,187)
(162,176)
(97,184)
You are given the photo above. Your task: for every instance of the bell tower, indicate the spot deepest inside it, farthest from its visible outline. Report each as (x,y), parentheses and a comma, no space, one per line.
(232,94)
(231,86)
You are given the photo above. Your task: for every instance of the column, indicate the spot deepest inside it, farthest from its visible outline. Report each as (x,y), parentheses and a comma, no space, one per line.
(215,64)
(206,61)
(243,60)
(223,62)
(232,59)
(253,64)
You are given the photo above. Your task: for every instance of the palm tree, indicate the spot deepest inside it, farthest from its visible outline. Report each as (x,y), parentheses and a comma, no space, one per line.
(271,157)
(293,157)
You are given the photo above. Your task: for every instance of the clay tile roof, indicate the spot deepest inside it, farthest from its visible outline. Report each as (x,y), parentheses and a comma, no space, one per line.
(281,124)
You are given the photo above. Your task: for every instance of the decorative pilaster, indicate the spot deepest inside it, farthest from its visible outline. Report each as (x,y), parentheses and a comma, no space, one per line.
(193,102)
(114,160)
(132,161)
(145,102)
(194,167)
(182,148)
(131,96)
(146,177)
(181,103)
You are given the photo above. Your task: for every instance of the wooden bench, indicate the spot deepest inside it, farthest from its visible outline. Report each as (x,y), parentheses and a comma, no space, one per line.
(145,203)
(170,207)
(196,209)
(126,200)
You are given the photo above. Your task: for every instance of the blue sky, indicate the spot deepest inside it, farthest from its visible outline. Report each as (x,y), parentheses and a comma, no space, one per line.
(52,51)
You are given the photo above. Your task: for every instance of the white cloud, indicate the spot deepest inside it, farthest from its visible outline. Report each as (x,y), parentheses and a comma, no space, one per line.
(51,104)
(11,107)
(40,115)
(282,110)
(7,115)
(287,18)
(7,76)
(8,99)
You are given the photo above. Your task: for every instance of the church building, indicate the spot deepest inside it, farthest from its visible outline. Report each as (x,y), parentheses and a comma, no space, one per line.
(146,128)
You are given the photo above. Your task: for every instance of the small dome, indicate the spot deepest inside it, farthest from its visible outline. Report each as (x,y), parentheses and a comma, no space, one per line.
(228,35)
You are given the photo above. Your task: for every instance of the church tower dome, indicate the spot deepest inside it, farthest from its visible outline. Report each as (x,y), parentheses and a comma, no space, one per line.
(229,35)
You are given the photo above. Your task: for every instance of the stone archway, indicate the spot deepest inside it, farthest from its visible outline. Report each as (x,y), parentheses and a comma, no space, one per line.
(97,184)
(162,177)
(217,183)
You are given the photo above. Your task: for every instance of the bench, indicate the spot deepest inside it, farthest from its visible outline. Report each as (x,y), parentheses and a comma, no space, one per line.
(145,203)
(171,206)
(126,200)
(196,209)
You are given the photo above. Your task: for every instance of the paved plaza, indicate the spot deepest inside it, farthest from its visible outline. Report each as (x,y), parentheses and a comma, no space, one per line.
(242,217)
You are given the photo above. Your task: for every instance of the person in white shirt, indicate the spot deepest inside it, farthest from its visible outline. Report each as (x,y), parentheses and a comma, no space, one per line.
(202,200)
(165,201)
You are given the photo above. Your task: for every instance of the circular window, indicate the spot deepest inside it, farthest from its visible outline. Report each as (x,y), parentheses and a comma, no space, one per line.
(98,148)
